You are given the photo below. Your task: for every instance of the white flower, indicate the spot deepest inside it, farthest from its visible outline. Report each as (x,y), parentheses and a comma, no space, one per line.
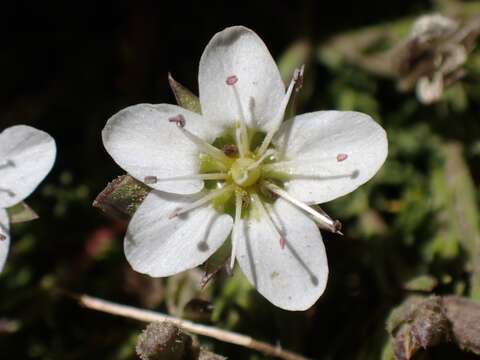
(239,168)
(26,157)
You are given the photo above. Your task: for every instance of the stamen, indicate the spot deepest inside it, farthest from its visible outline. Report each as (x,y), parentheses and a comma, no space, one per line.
(241,135)
(211,176)
(202,145)
(289,165)
(236,224)
(269,220)
(277,120)
(2,237)
(325,220)
(290,110)
(210,196)
(268,153)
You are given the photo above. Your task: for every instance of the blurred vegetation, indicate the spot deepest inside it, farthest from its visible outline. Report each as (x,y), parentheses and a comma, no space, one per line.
(412,230)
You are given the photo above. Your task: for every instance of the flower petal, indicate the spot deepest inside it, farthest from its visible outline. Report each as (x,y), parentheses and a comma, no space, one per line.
(331,153)
(143,141)
(161,246)
(5,243)
(294,277)
(26,157)
(239,51)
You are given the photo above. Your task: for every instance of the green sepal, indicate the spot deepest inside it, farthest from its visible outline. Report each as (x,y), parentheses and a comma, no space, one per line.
(122,197)
(185,98)
(21,213)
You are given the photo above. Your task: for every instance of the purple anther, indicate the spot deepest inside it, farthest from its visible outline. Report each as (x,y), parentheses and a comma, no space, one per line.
(179,120)
(231,150)
(150,180)
(342,157)
(231,80)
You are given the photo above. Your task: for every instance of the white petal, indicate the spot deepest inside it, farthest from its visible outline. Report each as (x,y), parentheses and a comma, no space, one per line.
(294,277)
(332,152)
(26,157)
(239,51)
(5,243)
(159,246)
(143,141)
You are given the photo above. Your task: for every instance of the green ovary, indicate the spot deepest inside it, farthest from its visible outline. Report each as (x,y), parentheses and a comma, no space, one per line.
(241,175)
(240,172)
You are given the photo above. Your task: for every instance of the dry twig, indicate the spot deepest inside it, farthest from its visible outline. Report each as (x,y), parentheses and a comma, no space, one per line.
(199,329)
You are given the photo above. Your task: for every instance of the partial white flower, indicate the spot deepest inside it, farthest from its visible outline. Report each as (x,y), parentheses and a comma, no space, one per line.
(239,168)
(26,157)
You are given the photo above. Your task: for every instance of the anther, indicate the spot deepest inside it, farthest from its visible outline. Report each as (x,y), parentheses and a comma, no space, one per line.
(150,180)
(231,150)
(337,226)
(179,120)
(342,157)
(245,200)
(2,237)
(298,78)
(231,80)
(282,243)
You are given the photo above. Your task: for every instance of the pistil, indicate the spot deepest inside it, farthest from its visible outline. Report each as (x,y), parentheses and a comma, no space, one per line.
(257,163)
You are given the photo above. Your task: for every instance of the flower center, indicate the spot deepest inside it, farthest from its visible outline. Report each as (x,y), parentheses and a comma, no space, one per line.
(244,173)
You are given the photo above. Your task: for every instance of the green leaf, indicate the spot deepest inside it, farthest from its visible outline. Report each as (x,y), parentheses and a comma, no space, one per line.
(185,98)
(21,213)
